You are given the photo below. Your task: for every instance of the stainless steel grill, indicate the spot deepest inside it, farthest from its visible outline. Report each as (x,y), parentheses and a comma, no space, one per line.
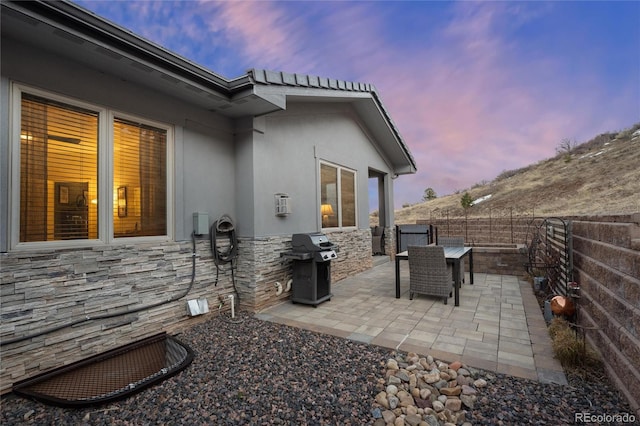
(311,254)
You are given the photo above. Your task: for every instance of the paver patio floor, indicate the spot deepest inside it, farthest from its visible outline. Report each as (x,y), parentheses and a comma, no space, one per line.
(498,325)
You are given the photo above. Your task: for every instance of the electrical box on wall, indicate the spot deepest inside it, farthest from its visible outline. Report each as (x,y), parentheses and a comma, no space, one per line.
(283,204)
(200,223)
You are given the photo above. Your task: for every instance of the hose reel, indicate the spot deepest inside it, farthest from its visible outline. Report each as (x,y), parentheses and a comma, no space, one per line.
(223,231)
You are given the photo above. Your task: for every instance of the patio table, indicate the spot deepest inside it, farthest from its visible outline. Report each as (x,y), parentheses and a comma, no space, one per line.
(453,256)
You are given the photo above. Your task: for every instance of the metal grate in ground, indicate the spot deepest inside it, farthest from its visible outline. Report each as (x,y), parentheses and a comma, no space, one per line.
(111,375)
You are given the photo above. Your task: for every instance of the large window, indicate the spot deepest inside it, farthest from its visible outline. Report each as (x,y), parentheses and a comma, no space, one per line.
(58,171)
(337,196)
(67,191)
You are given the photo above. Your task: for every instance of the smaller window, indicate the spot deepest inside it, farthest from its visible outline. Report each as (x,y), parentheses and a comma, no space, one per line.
(139,180)
(337,196)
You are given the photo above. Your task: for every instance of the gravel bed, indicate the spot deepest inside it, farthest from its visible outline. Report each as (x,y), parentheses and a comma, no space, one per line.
(253,372)
(514,401)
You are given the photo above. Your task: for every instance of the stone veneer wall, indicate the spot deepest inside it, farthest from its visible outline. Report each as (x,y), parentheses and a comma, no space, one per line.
(354,253)
(259,268)
(49,288)
(45,289)
(390,242)
(606,258)
(260,265)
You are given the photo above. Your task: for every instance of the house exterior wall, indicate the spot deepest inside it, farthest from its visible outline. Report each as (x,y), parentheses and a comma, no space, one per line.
(260,266)
(204,148)
(219,166)
(282,153)
(44,288)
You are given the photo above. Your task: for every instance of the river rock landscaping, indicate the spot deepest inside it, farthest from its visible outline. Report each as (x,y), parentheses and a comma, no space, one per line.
(422,389)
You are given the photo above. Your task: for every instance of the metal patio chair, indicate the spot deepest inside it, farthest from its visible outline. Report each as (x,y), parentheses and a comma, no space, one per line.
(429,273)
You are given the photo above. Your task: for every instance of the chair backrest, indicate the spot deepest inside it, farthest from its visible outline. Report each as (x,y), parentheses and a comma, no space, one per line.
(377,231)
(429,261)
(411,235)
(451,241)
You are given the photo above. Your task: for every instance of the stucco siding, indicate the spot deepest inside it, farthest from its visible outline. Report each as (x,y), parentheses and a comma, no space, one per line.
(207,178)
(287,158)
(203,155)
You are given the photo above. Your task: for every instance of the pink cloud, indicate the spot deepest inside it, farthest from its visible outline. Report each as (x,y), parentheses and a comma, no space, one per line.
(264,34)
(472,110)
(469,102)
(469,95)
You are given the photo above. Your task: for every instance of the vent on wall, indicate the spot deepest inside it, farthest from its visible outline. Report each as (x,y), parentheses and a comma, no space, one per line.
(283,204)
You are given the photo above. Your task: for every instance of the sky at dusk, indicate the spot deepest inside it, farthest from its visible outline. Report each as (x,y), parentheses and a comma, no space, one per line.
(475,88)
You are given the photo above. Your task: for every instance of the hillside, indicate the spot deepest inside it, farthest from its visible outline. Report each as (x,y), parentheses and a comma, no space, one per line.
(601,176)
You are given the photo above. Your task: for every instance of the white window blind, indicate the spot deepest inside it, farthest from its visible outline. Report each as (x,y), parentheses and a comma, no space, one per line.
(139,179)
(58,171)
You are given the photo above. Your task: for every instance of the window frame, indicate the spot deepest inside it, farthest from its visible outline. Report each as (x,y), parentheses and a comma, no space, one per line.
(339,170)
(106,117)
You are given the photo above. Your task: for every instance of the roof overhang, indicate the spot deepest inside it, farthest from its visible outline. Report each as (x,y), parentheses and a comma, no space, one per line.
(69,31)
(279,86)
(374,118)
(379,122)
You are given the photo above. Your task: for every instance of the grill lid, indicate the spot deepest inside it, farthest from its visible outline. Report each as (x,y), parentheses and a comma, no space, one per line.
(311,242)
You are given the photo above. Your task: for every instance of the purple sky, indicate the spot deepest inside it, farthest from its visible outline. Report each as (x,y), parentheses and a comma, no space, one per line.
(475,88)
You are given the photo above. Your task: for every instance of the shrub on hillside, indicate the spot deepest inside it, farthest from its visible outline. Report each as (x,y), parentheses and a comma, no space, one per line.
(506,174)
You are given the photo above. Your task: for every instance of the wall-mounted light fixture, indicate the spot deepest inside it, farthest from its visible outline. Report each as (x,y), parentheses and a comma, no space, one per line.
(283,204)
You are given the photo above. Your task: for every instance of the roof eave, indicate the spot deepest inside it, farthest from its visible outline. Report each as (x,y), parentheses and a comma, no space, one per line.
(364,97)
(66,29)
(80,34)
(87,24)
